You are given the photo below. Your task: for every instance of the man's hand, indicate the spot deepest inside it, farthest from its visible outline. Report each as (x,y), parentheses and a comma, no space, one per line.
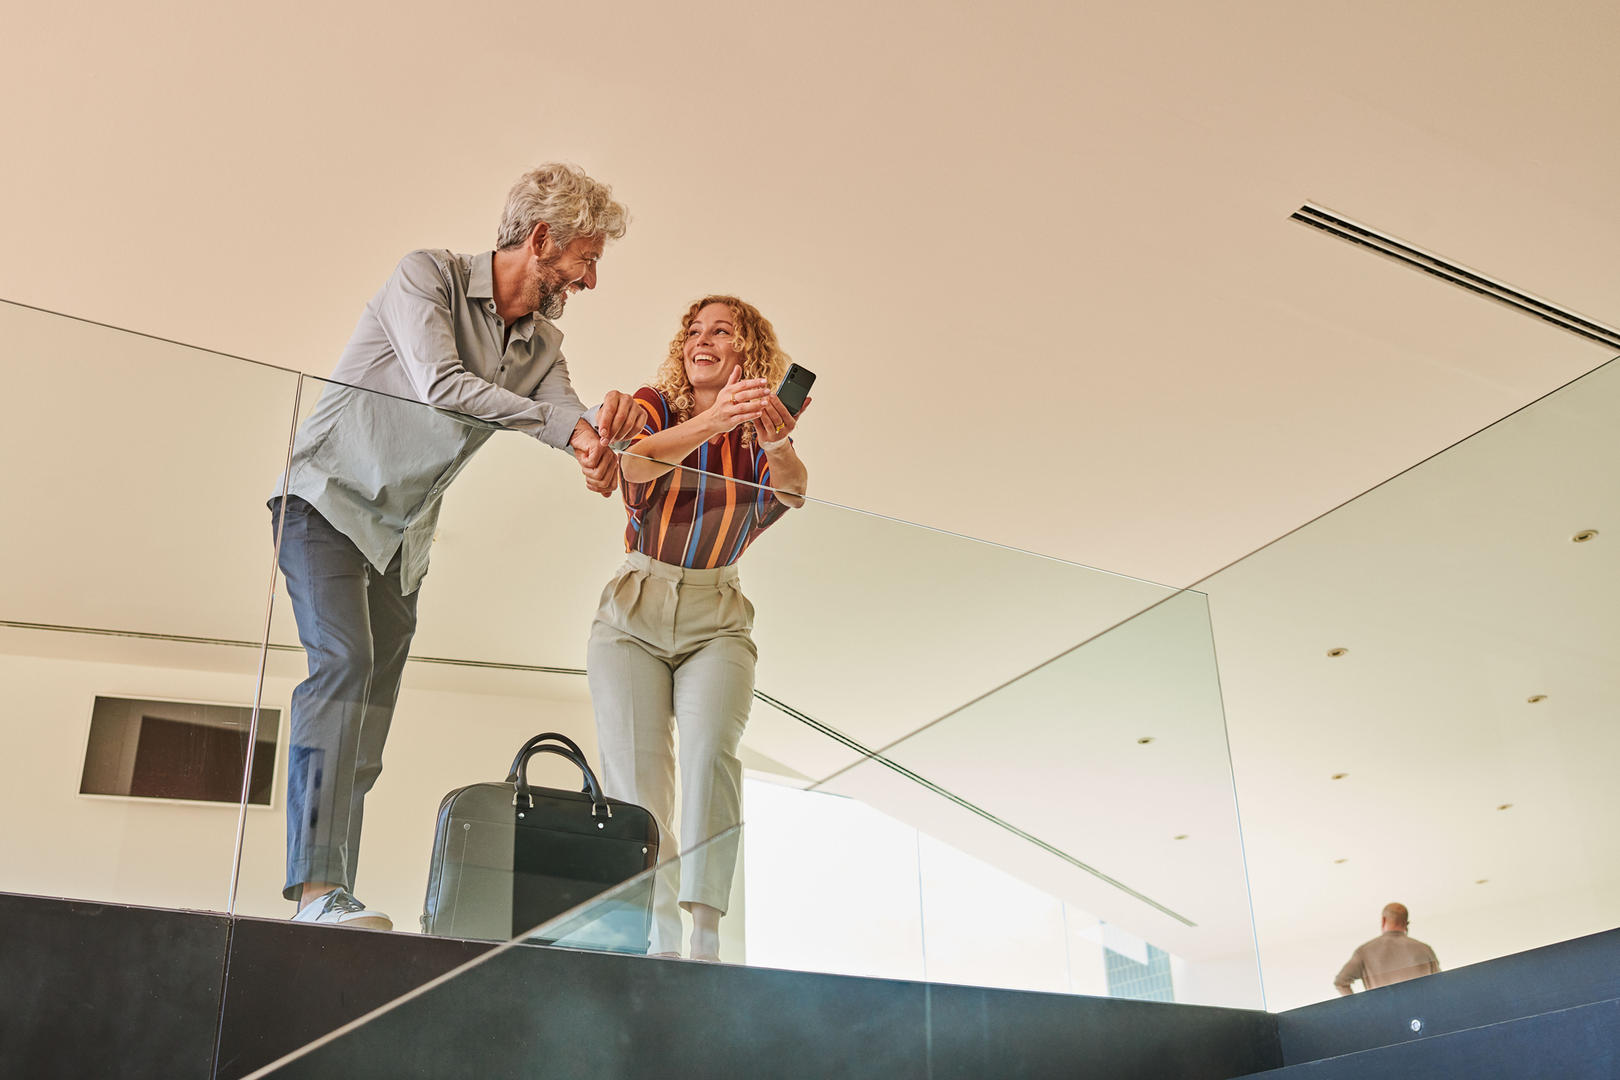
(596,461)
(620,417)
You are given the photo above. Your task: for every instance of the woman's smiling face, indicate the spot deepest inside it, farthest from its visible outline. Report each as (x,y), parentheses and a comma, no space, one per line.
(710,348)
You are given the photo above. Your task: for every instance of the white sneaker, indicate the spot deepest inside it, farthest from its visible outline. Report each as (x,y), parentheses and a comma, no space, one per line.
(340,908)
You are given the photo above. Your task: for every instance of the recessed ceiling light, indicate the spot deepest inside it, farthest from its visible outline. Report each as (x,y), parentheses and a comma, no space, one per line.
(1338,776)
(1180,836)
(1337,652)
(1536,699)
(1505,806)
(1584,535)
(1336,862)
(1144,740)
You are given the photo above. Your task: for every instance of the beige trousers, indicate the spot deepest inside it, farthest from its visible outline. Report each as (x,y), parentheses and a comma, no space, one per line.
(671,648)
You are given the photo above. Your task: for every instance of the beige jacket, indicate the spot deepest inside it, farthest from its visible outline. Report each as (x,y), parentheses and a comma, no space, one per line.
(1391,957)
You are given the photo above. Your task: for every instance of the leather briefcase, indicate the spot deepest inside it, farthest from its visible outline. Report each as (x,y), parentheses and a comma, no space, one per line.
(508,857)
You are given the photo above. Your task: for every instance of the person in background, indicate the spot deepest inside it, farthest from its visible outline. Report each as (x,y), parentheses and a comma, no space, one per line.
(452,349)
(671,644)
(1391,957)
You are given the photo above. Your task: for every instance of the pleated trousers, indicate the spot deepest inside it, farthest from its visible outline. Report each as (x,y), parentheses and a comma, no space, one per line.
(671,649)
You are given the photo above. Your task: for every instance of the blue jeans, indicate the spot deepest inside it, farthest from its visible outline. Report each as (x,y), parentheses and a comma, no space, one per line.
(356,627)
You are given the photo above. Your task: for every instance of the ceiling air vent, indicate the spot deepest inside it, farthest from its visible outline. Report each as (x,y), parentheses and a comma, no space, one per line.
(1428,262)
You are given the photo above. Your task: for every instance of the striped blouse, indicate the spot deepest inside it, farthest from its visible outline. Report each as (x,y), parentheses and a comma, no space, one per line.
(705,514)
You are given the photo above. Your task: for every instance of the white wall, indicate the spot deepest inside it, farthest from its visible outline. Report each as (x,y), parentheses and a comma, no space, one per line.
(179,854)
(58,842)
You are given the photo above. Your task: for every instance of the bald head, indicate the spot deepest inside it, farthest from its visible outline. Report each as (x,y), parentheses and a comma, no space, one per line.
(1395,917)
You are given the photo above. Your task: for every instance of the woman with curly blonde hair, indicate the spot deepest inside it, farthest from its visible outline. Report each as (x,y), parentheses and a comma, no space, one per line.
(671,646)
(754,339)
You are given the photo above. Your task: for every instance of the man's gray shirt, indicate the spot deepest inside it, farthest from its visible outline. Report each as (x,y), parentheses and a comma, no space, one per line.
(375,464)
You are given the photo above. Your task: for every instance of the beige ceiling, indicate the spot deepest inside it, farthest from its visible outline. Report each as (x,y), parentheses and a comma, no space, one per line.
(1039,255)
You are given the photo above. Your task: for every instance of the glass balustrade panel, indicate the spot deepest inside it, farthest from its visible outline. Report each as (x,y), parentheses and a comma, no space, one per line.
(1421,692)
(135,568)
(1090,814)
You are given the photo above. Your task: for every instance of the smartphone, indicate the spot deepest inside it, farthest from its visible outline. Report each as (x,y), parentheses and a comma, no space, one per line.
(795,388)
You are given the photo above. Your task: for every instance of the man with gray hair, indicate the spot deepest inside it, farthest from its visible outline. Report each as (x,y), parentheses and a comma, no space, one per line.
(452,349)
(1391,957)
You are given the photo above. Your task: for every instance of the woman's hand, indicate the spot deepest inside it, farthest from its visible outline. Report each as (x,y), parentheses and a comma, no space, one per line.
(775,422)
(739,400)
(771,431)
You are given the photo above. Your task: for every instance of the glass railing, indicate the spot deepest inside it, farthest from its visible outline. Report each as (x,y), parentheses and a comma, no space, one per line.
(1109,763)
(1023,762)
(135,575)
(912,686)
(1422,700)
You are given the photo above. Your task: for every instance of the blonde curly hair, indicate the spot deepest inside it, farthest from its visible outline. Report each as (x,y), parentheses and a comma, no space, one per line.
(755,338)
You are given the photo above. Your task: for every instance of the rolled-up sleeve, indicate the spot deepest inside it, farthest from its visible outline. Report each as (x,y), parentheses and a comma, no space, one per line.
(414,311)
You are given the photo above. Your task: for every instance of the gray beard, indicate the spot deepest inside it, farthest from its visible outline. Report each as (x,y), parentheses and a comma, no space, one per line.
(548,294)
(551,304)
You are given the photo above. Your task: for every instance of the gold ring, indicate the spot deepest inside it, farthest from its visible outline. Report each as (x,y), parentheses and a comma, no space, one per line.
(778,427)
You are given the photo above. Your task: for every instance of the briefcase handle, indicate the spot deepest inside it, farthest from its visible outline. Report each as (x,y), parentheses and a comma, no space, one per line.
(528,748)
(545,744)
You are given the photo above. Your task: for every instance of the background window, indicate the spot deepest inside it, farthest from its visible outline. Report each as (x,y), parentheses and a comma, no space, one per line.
(177,750)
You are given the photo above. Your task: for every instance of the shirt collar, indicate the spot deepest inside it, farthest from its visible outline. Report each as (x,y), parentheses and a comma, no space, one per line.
(481,276)
(523,329)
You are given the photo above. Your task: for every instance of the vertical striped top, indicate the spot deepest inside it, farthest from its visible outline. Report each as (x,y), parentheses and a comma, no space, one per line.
(704,514)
